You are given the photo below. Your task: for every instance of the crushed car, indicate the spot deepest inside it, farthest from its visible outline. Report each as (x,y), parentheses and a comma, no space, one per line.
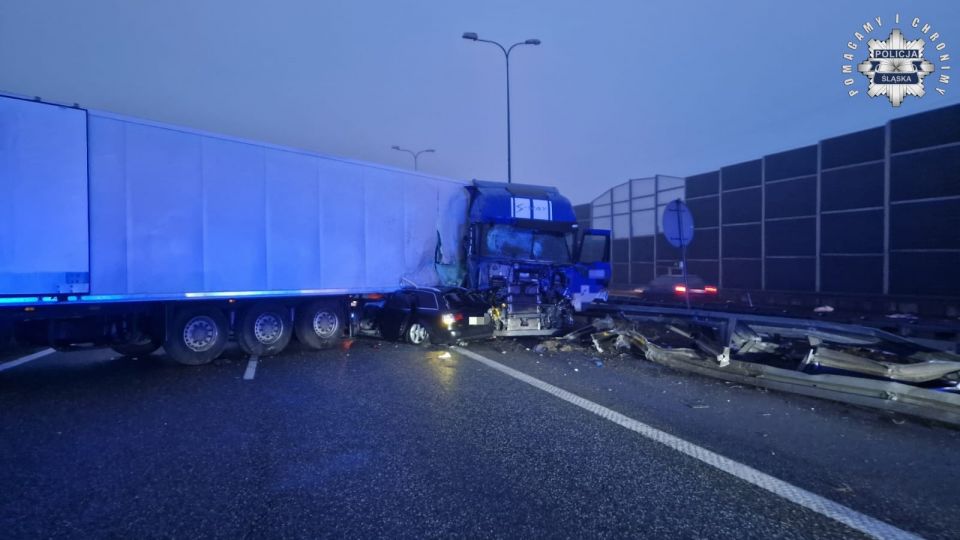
(428,315)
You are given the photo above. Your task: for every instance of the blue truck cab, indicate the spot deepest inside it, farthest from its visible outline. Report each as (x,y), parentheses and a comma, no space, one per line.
(524,248)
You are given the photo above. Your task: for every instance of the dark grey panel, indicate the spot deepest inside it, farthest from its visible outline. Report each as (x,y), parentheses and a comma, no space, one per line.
(853,232)
(925,273)
(792,237)
(853,275)
(641,249)
(665,251)
(791,274)
(705,244)
(921,175)
(705,212)
(621,250)
(853,187)
(792,198)
(742,241)
(741,206)
(853,148)
(798,162)
(738,274)
(932,128)
(926,225)
(708,270)
(641,273)
(703,184)
(621,274)
(582,211)
(741,175)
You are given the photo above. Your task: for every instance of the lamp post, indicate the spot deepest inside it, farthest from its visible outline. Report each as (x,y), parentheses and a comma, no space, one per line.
(415,155)
(472,36)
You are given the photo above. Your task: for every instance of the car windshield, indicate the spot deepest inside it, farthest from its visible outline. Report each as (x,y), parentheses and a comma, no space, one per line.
(516,243)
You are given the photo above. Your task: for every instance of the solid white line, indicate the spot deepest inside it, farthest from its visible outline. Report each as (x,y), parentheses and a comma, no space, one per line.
(29,358)
(797,495)
(251,369)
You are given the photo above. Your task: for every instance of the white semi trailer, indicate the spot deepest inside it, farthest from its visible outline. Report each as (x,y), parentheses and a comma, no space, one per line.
(132,234)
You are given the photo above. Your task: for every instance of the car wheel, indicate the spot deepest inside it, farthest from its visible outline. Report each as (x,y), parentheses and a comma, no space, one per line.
(418,334)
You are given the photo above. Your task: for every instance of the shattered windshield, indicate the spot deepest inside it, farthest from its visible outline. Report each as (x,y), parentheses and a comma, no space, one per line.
(516,243)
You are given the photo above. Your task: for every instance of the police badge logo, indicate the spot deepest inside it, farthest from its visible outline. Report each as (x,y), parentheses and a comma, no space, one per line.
(896,67)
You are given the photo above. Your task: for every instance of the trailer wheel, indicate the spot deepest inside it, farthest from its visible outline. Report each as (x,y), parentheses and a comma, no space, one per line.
(319,325)
(264,330)
(197,335)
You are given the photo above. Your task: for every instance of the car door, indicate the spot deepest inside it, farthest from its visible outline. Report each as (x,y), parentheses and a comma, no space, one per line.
(394,315)
(426,309)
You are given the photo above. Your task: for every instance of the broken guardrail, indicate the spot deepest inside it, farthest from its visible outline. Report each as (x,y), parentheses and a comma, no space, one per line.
(848,363)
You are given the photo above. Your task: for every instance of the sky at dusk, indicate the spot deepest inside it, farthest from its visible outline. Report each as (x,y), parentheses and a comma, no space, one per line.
(617,90)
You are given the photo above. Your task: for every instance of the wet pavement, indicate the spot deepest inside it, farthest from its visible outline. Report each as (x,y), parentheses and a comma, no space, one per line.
(386,440)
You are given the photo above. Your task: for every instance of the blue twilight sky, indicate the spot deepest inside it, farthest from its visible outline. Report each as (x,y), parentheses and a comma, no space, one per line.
(617,90)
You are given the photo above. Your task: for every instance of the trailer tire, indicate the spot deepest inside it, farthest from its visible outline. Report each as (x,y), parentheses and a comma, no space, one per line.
(197,335)
(319,325)
(264,330)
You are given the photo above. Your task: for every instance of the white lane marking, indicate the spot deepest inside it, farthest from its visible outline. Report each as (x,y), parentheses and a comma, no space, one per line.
(251,369)
(23,360)
(797,495)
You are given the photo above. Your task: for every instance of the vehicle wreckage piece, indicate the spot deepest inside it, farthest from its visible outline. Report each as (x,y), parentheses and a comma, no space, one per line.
(890,395)
(923,371)
(802,332)
(721,354)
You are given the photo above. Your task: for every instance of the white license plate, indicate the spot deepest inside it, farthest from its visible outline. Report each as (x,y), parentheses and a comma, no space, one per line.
(477,321)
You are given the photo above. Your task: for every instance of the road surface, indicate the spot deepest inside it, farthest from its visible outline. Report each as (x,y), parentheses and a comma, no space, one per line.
(387,440)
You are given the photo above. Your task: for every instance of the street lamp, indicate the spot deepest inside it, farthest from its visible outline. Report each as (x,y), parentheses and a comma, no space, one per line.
(415,155)
(472,36)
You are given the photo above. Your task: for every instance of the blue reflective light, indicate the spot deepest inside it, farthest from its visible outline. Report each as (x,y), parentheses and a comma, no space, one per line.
(19,300)
(104,297)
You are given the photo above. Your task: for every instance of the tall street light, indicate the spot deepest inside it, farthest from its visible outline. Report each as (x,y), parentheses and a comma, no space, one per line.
(472,36)
(415,155)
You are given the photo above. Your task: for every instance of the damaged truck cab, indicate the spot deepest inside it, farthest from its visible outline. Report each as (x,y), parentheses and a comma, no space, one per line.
(525,251)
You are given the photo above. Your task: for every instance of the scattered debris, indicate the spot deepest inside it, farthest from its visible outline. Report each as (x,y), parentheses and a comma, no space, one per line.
(828,360)
(444,355)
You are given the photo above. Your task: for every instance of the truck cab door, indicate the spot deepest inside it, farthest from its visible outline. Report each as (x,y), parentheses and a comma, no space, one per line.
(594,247)
(592,260)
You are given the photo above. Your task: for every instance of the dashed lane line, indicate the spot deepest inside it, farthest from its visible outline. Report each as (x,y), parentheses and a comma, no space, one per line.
(23,360)
(821,505)
(251,371)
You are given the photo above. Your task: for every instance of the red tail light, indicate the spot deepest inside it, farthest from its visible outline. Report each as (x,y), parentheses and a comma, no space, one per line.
(680,289)
(710,289)
(458,316)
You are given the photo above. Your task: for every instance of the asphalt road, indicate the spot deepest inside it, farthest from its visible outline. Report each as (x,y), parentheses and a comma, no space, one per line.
(389,440)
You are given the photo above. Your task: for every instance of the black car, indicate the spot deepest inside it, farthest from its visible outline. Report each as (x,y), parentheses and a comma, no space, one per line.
(672,286)
(425,315)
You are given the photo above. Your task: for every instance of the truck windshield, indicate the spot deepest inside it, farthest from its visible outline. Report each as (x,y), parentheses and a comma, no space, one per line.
(515,243)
